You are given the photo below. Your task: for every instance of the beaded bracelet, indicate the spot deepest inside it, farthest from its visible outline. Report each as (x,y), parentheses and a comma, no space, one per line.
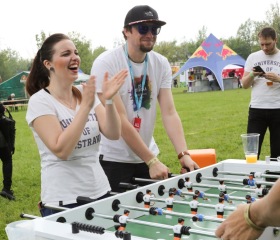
(152,162)
(249,221)
(108,101)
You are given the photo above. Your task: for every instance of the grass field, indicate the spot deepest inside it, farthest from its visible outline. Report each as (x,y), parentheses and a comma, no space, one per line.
(210,120)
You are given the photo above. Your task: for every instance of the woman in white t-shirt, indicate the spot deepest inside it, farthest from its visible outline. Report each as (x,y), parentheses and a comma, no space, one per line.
(67,122)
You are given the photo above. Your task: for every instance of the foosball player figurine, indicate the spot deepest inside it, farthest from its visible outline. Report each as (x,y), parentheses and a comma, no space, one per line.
(169,201)
(220,208)
(156,211)
(198,218)
(188,184)
(250,182)
(225,197)
(180,229)
(222,187)
(193,204)
(260,192)
(201,194)
(122,219)
(176,192)
(146,198)
(250,199)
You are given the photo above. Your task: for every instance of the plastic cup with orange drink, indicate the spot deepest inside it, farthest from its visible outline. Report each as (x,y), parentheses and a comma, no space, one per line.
(251,146)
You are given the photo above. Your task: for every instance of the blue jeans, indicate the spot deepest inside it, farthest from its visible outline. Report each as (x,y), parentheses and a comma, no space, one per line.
(259,120)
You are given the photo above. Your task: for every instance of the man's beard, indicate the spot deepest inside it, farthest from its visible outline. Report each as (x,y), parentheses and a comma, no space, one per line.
(146,49)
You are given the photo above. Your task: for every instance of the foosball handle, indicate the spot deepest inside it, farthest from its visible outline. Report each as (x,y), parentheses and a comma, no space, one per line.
(76,227)
(128,186)
(123,235)
(84,200)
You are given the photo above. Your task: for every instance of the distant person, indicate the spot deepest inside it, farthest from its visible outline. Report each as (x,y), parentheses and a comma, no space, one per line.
(6,153)
(149,83)
(232,73)
(11,96)
(211,81)
(238,81)
(264,108)
(175,83)
(67,122)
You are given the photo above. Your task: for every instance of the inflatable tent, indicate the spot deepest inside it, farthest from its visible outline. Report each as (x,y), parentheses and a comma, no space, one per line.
(214,55)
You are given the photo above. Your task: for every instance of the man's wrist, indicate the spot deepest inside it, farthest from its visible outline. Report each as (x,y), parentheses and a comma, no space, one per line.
(181,154)
(247,217)
(151,162)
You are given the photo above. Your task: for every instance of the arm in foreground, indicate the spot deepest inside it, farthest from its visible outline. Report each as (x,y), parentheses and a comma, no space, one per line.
(236,226)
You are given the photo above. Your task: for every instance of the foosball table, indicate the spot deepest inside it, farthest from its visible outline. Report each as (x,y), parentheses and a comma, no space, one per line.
(187,206)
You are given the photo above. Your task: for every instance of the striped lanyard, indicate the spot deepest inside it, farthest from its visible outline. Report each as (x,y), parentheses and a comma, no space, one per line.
(138,101)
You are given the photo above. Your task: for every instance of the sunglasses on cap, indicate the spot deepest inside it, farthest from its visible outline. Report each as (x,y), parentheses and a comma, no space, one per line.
(144,29)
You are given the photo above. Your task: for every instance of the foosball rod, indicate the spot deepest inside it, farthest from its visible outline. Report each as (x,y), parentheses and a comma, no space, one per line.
(227,187)
(239,181)
(28,216)
(205,205)
(256,174)
(159,225)
(214,195)
(145,180)
(171,213)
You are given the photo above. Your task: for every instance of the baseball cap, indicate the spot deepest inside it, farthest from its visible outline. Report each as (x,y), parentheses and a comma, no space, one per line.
(142,13)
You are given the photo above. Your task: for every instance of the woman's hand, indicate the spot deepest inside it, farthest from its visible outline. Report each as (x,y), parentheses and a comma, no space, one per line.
(88,95)
(112,86)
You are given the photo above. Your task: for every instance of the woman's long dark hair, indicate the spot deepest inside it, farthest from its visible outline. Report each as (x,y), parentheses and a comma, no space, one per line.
(38,77)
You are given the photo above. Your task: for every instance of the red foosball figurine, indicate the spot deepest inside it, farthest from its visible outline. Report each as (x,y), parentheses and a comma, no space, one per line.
(188,184)
(222,187)
(169,201)
(146,198)
(193,204)
(122,220)
(180,229)
(220,208)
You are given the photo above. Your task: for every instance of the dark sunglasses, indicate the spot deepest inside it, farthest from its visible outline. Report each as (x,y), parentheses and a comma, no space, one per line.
(144,29)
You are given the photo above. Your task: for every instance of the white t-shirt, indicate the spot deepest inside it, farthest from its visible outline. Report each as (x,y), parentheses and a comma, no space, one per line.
(264,96)
(159,75)
(210,78)
(81,174)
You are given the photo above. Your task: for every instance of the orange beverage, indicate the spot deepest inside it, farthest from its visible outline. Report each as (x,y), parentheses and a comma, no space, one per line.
(252,158)
(269,83)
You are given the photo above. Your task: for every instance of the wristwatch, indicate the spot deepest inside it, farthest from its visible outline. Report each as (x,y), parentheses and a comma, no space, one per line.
(181,154)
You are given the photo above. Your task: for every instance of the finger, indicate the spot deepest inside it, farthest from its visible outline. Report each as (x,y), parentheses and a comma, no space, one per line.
(91,79)
(122,74)
(219,231)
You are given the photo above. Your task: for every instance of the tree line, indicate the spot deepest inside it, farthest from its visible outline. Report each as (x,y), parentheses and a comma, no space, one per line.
(243,43)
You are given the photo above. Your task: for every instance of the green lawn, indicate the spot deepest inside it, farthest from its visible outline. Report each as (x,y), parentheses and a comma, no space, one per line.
(210,120)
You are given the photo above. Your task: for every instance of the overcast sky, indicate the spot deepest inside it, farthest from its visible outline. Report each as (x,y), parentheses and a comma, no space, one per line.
(101,21)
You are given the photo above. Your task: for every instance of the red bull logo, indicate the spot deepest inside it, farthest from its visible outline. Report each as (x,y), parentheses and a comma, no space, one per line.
(226,52)
(201,53)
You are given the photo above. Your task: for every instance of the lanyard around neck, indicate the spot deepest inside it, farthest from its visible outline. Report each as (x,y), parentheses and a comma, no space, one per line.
(138,101)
